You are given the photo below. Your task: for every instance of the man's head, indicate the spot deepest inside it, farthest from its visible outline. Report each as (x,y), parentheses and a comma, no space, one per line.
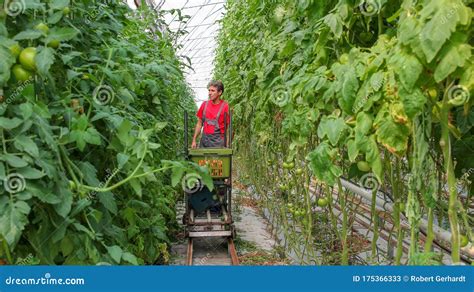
(216,88)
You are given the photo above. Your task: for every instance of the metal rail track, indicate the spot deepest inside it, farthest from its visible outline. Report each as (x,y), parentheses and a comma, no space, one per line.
(231,252)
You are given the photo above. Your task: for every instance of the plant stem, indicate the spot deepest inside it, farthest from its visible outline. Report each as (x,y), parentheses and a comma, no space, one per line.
(445,143)
(430,234)
(345,249)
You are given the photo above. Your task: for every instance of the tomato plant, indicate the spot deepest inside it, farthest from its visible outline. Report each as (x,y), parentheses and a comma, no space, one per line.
(382,93)
(88,136)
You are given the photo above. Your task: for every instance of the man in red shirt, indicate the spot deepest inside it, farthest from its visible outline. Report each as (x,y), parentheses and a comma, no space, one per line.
(211,115)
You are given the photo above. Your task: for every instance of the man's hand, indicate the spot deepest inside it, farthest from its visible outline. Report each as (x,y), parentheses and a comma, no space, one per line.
(193,145)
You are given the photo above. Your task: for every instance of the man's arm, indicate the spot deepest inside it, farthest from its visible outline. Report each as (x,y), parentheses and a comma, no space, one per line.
(197,131)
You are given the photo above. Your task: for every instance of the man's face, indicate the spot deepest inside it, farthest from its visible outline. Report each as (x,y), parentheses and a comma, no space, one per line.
(214,93)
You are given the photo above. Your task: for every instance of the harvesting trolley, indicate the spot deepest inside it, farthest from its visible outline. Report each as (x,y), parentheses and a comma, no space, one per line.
(209,213)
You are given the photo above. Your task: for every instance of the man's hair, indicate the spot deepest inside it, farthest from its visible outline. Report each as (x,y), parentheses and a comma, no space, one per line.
(217,84)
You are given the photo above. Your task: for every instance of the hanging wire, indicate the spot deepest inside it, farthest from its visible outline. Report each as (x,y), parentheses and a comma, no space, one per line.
(195,44)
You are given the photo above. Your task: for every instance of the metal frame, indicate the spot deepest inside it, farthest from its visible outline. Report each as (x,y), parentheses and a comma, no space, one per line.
(214,226)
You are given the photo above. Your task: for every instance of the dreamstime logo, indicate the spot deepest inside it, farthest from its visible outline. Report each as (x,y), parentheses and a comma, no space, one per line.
(369,7)
(18,91)
(93,194)
(458,93)
(281,96)
(14,7)
(103,95)
(447,17)
(376,87)
(192,183)
(14,183)
(369,181)
(91,17)
(26,261)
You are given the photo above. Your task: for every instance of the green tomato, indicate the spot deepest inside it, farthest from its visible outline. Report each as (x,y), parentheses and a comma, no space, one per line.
(42,27)
(15,50)
(20,73)
(344,59)
(54,44)
(72,185)
(283,187)
(289,165)
(66,10)
(323,202)
(433,92)
(366,36)
(27,58)
(464,240)
(299,171)
(363,166)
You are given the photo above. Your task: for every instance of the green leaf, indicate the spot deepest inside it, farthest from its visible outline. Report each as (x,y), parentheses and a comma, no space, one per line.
(58,4)
(65,198)
(363,123)
(2,171)
(334,23)
(25,143)
(176,174)
(13,160)
(67,246)
(9,124)
(13,219)
(33,4)
(136,186)
(408,69)
(353,150)
(125,95)
(78,137)
(44,60)
(61,34)
(123,133)
(443,15)
(122,158)
(331,127)
(90,173)
(321,164)
(55,17)
(413,102)
(455,57)
(45,195)
(128,257)
(372,156)
(108,201)
(350,86)
(5,64)
(91,136)
(26,110)
(392,135)
(115,253)
(30,34)
(45,132)
(30,173)
(160,126)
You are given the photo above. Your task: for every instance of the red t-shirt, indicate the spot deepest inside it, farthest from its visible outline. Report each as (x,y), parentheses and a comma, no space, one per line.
(211,113)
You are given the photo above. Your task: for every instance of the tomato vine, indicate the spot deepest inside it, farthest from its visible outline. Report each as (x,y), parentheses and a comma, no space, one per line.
(356,89)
